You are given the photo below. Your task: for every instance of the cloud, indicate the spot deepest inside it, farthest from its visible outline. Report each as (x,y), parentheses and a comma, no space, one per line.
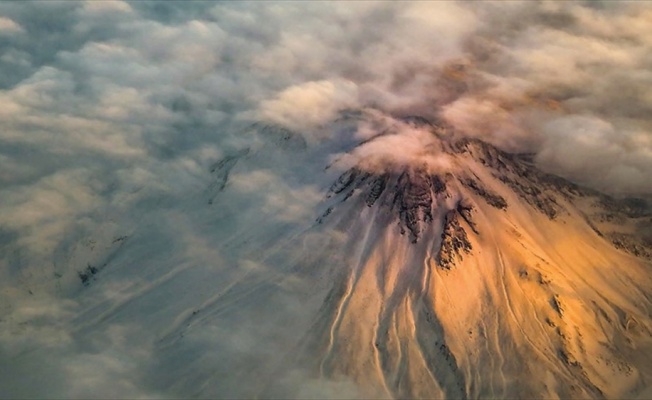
(590,150)
(310,104)
(559,61)
(112,112)
(8,26)
(400,144)
(496,71)
(107,6)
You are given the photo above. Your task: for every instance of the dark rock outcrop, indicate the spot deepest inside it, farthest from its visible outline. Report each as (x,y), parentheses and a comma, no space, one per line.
(492,199)
(454,241)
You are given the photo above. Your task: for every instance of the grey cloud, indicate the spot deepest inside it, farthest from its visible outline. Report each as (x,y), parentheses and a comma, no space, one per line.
(172,12)
(49,27)
(528,64)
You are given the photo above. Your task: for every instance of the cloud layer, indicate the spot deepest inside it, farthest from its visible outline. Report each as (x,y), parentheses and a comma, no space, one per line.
(157,79)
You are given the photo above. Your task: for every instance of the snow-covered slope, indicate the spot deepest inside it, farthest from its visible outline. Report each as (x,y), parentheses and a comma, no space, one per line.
(485,277)
(399,263)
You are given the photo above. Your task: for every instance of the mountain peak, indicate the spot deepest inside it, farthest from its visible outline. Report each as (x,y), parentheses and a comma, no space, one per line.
(445,182)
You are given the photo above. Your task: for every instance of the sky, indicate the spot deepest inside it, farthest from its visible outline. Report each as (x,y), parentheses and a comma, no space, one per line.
(105,105)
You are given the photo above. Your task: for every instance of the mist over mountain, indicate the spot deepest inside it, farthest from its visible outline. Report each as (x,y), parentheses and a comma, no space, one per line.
(346,199)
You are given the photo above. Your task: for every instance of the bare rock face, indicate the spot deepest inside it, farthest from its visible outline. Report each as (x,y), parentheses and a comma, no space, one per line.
(345,181)
(413,201)
(411,196)
(632,244)
(454,241)
(419,200)
(493,199)
(281,137)
(518,173)
(377,188)
(220,171)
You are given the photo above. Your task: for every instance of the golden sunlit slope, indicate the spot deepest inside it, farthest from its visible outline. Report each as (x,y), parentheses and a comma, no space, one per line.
(483,277)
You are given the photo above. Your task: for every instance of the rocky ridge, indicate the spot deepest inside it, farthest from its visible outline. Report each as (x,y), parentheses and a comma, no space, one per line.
(415,197)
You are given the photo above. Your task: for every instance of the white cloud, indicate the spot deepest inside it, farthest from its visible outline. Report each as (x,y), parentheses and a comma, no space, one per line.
(310,104)
(592,151)
(8,26)
(107,5)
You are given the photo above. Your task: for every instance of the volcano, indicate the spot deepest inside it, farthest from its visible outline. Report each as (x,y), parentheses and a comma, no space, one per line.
(408,263)
(465,271)
(485,277)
